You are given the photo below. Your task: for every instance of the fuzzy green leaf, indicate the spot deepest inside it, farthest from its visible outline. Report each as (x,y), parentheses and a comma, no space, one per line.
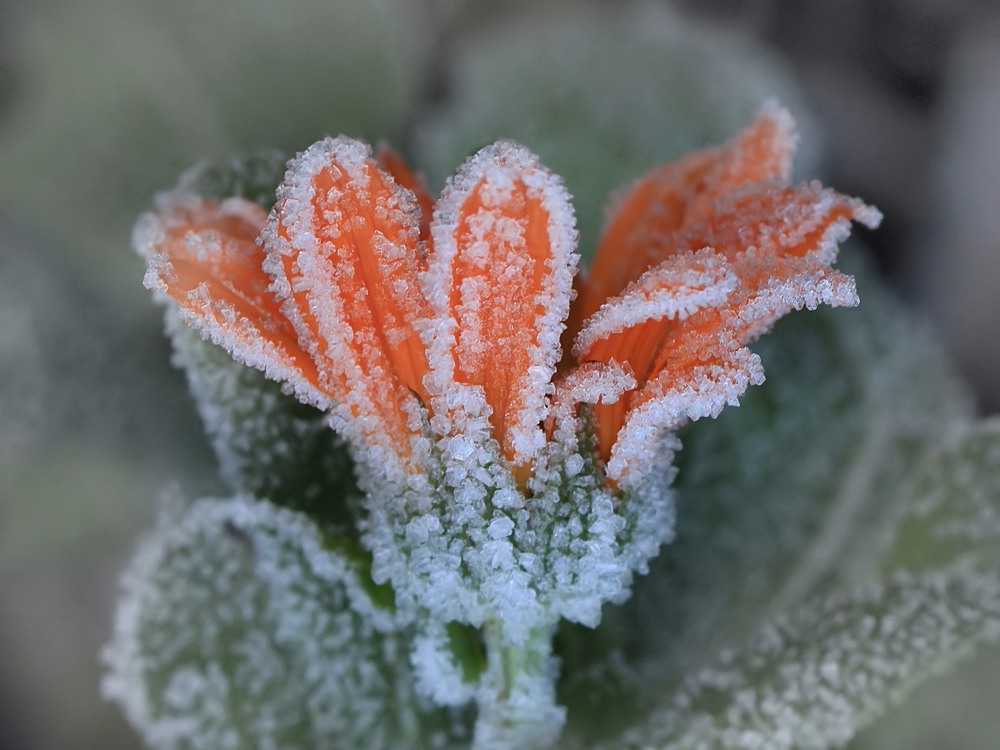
(266,442)
(812,679)
(237,627)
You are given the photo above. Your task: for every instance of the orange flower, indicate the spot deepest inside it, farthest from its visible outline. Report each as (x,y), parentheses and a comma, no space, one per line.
(416,328)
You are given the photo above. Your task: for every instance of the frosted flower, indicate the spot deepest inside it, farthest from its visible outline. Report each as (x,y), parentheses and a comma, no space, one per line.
(433,334)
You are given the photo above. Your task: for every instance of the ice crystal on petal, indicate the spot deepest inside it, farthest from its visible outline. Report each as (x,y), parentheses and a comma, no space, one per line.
(675,288)
(340,247)
(500,280)
(203,255)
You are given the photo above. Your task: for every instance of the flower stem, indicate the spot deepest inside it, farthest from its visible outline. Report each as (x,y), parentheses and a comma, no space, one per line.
(516,695)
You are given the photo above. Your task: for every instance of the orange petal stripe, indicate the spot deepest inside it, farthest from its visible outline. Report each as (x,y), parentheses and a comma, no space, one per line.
(668,197)
(342,247)
(204,255)
(504,264)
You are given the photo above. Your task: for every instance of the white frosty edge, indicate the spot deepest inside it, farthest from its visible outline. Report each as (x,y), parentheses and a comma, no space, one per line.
(244,343)
(592,383)
(807,289)
(293,208)
(713,387)
(675,288)
(216,321)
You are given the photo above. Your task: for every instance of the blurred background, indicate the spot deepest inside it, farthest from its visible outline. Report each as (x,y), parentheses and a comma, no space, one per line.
(105,102)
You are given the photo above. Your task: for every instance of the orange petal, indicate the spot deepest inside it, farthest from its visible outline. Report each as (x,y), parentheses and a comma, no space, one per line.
(749,312)
(807,220)
(671,399)
(667,198)
(634,327)
(501,278)
(204,255)
(761,152)
(771,236)
(629,327)
(709,337)
(342,249)
(778,243)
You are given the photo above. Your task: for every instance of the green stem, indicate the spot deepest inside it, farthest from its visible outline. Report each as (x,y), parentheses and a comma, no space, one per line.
(516,696)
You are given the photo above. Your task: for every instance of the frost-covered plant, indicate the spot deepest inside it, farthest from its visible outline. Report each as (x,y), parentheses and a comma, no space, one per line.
(461,449)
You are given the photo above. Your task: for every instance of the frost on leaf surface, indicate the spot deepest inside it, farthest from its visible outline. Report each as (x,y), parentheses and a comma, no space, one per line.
(267,443)
(954,518)
(238,628)
(812,679)
(795,493)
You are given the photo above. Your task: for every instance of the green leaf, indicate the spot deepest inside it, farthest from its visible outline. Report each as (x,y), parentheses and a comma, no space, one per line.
(812,679)
(267,443)
(237,628)
(795,493)
(600,95)
(954,518)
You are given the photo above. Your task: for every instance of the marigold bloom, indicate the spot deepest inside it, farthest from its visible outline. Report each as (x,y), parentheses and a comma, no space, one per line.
(408,323)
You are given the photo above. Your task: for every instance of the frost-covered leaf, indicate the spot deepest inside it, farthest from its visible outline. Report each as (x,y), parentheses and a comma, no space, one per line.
(954,518)
(267,443)
(599,95)
(812,679)
(795,492)
(238,628)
